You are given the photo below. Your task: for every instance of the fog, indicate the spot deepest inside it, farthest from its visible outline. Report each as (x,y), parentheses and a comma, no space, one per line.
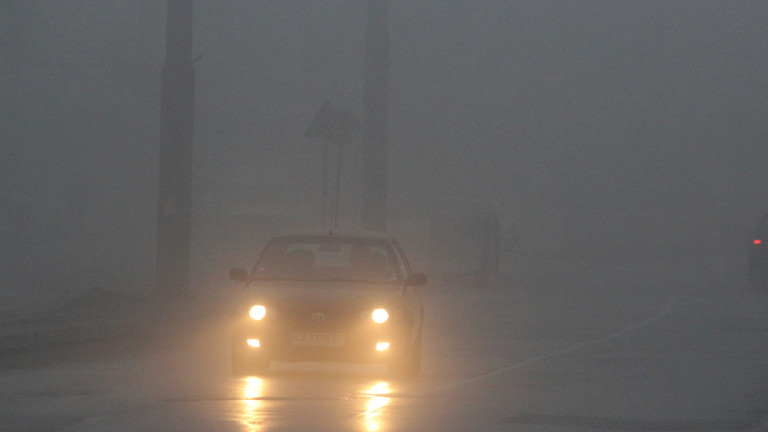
(598,128)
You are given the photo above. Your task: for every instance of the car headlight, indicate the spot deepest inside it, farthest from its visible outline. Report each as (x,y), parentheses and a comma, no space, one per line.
(258,312)
(380,315)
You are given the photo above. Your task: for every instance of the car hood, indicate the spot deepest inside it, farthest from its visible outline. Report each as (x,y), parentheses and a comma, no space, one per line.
(321,295)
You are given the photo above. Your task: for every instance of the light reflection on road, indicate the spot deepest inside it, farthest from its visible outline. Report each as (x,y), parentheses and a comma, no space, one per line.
(252,417)
(378,399)
(369,402)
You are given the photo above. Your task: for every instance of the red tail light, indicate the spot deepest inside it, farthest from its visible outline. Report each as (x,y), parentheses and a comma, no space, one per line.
(757,241)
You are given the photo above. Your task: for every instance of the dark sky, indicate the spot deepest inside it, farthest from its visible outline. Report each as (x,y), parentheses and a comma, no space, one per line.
(593,125)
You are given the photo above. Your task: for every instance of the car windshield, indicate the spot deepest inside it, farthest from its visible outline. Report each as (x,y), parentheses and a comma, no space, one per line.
(328,259)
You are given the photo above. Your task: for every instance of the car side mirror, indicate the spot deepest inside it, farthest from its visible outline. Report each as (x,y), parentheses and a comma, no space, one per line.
(416,279)
(238,274)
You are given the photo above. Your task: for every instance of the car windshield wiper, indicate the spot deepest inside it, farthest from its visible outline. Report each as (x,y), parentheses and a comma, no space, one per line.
(273,279)
(351,280)
(333,279)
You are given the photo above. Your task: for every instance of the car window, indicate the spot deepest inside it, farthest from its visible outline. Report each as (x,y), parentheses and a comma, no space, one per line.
(401,260)
(329,259)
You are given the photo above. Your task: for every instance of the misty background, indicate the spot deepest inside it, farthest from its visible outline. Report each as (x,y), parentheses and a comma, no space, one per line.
(600,129)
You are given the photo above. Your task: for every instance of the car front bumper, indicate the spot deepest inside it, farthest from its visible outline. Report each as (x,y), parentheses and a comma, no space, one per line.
(359,344)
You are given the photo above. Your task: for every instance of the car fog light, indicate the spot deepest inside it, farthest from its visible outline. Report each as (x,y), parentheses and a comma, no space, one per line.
(255,343)
(382,346)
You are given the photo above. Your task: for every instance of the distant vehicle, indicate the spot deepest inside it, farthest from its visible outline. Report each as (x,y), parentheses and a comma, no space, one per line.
(329,297)
(757,255)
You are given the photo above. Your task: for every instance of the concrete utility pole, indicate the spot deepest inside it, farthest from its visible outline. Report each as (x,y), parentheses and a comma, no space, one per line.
(375,120)
(174,222)
(339,126)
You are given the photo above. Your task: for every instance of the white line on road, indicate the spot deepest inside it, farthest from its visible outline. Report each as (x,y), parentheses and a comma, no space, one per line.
(661,314)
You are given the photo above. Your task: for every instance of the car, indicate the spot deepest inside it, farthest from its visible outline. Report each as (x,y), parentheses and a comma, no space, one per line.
(329,297)
(757,255)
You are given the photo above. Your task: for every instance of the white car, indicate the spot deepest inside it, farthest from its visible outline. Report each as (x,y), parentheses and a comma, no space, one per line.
(329,297)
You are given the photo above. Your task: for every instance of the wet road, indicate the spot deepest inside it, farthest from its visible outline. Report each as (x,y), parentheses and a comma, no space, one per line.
(563,346)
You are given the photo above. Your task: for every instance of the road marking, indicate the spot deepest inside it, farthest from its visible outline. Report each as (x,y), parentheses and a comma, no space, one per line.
(665,310)
(684,425)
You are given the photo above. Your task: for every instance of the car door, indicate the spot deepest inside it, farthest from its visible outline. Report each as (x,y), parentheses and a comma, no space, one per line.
(411,295)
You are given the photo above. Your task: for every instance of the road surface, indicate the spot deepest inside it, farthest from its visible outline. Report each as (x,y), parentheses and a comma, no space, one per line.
(557,346)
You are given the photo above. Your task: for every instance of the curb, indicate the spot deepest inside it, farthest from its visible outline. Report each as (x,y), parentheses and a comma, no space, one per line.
(40,335)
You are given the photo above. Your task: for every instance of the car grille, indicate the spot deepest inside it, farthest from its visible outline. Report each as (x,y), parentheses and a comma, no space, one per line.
(317,318)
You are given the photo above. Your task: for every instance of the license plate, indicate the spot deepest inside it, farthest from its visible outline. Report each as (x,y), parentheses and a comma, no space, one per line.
(317,339)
